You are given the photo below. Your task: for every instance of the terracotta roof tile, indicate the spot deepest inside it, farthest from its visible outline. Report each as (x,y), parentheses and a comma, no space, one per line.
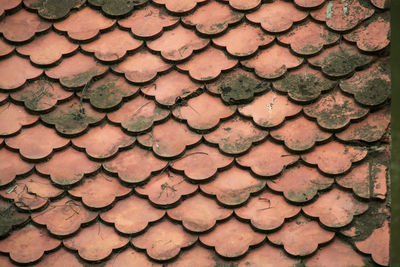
(61,256)
(309,3)
(11,165)
(5,48)
(268,255)
(51,9)
(9,5)
(10,218)
(383,4)
(13,117)
(117,7)
(15,71)
(241,5)
(130,257)
(204,258)
(178,6)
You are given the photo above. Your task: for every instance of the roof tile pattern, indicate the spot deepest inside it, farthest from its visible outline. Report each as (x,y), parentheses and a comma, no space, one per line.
(194,133)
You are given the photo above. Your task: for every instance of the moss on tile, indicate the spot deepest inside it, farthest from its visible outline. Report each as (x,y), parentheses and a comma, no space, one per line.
(117,7)
(9,217)
(55,9)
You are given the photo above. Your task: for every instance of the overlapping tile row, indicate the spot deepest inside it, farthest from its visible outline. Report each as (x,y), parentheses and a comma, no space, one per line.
(194,133)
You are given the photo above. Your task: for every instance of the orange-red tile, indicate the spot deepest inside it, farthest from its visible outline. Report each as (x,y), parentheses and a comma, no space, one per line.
(15,71)
(28,244)
(13,117)
(47,49)
(134,165)
(52,9)
(169,139)
(300,183)
(277,16)
(72,117)
(99,191)
(29,146)
(166,188)
(5,48)
(201,162)
(8,5)
(177,44)
(64,217)
(207,65)
(148,21)
(11,165)
(132,215)
(308,38)
(273,62)
(141,67)
(76,71)
(335,208)
(22,26)
(10,217)
(304,84)
(112,45)
(243,5)
(371,86)
(41,95)
(103,141)
(237,238)
(243,40)
(80,28)
(267,211)
(382,4)
(63,257)
(334,157)
(170,88)
(267,159)
(95,242)
(67,167)
(267,255)
(177,6)
(203,258)
(118,7)
(164,240)
(130,257)
(233,187)
(343,15)
(212,18)
(335,110)
(309,3)
(5,261)
(199,213)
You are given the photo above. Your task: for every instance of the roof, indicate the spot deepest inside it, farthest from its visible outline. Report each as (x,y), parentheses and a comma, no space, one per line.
(194,133)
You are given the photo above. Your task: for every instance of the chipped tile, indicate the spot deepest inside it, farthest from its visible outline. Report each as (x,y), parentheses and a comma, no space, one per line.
(177,6)
(117,7)
(10,218)
(13,117)
(52,9)
(11,165)
(15,71)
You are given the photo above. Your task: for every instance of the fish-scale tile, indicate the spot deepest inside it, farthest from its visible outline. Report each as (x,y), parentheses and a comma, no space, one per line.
(177,44)
(31,193)
(8,5)
(72,117)
(267,211)
(10,217)
(371,86)
(76,71)
(237,86)
(243,5)
(267,159)
(212,18)
(335,208)
(47,49)
(169,139)
(267,255)
(335,157)
(208,64)
(41,95)
(80,28)
(198,115)
(117,7)
(304,84)
(166,188)
(64,217)
(277,16)
(112,45)
(168,89)
(5,48)
(382,4)
(177,6)
(3,97)
(340,60)
(343,15)
(13,117)
(22,26)
(148,22)
(130,257)
(300,134)
(68,167)
(204,258)
(99,191)
(15,71)
(335,110)
(132,215)
(164,240)
(11,165)
(237,236)
(134,165)
(300,183)
(103,141)
(95,242)
(308,38)
(301,237)
(28,244)
(53,9)
(29,147)
(243,40)
(199,213)
(233,187)
(63,257)
(273,62)
(201,162)
(309,3)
